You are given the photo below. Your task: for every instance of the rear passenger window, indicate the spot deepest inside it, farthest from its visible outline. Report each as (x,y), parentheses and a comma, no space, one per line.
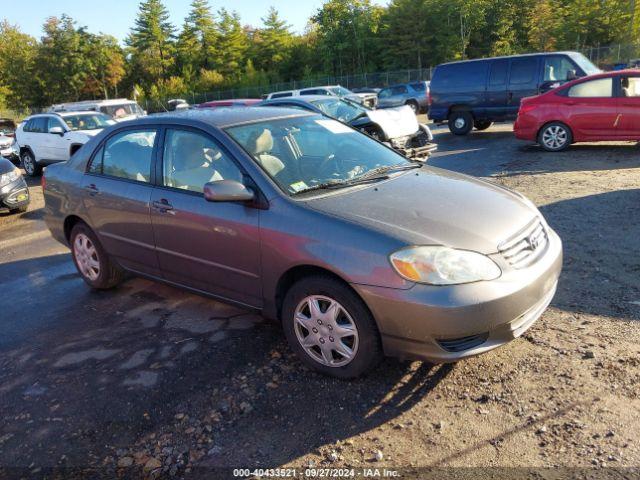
(602,87)
(36,125)
(523,71)
(498,74)
(126,155)
(419,87)
(281,95)
(384,93)
(400,90)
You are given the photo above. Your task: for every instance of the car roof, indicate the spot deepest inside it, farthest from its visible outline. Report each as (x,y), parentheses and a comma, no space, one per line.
(544,54)
(64,113)
(304,98)
(222,117)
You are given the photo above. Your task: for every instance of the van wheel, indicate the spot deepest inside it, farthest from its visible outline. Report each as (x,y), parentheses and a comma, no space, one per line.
(92,261)
(29,164)
(482,124)
(460,122)
(555,137)
(330,328)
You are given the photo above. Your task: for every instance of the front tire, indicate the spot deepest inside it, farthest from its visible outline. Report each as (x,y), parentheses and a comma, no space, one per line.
(29,164)
(555,137)
(92,261)
(460,122)
(19,210)
(330,328)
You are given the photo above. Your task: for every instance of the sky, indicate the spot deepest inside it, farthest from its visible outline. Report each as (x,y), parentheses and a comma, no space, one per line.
(116,17)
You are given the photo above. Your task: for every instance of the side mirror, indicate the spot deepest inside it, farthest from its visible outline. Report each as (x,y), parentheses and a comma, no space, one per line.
(571,75)
(227,191)
(57,131)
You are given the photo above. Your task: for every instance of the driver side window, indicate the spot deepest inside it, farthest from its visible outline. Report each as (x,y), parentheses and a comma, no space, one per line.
(192,159)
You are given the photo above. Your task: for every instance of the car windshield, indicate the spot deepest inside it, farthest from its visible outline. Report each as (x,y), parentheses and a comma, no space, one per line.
(304,152)
(340,109)
(585,64)
(340,91)
(91,121)
(122,110)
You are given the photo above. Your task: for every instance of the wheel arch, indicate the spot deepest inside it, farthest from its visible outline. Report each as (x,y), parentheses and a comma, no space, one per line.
(298,272)
(70,222)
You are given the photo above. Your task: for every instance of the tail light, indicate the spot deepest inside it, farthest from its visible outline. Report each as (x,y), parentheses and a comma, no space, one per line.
(429,100)
(43,181)
(526,107)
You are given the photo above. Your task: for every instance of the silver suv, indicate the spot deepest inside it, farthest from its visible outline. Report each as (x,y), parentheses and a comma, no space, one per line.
(415,95)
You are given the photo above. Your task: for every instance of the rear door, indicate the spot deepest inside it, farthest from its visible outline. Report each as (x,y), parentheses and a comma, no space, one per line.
(37,136)
(213,247)
(496,98)
(628,106)
(117,196)
(523,81)
(591,109)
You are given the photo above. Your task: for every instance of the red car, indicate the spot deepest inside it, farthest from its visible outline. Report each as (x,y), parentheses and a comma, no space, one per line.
(236,102)
(604,106)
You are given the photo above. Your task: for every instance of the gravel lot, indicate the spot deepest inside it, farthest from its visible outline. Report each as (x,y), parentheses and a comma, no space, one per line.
(149,380)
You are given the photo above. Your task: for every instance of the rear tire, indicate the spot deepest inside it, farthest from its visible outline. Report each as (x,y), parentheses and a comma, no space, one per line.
(92,261)
(364,349)
(19,210)
(460,122)
(555,137)
(482,124)
(29,164)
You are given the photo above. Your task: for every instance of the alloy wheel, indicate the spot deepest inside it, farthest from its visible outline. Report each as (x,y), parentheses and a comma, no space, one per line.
(554,137)
(326,331)
(86,255)
(28,163)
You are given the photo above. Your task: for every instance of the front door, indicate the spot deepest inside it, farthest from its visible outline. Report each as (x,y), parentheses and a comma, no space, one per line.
(213,247)
(523,82)
(117,195)
(629,107)
(58,145)
(591,109)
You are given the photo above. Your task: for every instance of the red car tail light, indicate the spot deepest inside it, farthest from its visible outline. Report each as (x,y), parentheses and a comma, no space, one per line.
(43,182)
(526,107)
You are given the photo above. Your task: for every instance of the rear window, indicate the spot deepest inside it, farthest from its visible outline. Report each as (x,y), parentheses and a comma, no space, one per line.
(463,74)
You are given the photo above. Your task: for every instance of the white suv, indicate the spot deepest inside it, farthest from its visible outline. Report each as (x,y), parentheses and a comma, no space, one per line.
(54,137)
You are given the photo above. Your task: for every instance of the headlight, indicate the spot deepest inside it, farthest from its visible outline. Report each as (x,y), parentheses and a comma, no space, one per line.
(12,176)
(443,266)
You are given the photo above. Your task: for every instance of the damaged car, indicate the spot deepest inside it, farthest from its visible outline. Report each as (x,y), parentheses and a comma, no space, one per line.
(14,194)
(8,148)
(397,127)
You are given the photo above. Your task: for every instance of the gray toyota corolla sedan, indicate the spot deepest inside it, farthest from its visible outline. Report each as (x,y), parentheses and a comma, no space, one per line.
(358,251)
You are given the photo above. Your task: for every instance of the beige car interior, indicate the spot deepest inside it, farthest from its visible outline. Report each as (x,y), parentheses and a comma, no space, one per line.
(261,145)
(189,162)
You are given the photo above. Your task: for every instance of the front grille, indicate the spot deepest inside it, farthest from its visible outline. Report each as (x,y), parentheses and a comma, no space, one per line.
(526,246)
(463,343)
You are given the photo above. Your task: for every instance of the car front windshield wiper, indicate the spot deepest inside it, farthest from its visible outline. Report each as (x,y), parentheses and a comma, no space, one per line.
(380,173)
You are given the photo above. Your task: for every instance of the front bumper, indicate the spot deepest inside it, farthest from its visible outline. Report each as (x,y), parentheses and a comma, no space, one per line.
(446,324)
(15,194)
(424,151)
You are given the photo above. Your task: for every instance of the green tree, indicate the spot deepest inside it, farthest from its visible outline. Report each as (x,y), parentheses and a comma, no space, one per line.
(151,45)
(273,42)
(17,66)
(196,45)
(105,65)
(233,44)
(346,34)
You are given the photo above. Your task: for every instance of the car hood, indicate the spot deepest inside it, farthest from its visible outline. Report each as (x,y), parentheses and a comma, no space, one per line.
(395,122)
(89,133)
(434,207)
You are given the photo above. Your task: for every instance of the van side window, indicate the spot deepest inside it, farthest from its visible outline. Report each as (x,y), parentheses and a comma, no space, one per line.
(556,69)
(498,74)
(523,70)
(466,74)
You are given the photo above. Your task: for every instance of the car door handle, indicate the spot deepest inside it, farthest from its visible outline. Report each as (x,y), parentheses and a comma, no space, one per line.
(163,206)
(92,189)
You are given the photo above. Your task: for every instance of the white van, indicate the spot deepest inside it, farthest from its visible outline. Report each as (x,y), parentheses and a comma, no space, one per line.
(119,109)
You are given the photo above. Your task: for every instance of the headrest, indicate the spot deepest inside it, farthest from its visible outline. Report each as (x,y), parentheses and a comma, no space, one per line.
(262,142)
